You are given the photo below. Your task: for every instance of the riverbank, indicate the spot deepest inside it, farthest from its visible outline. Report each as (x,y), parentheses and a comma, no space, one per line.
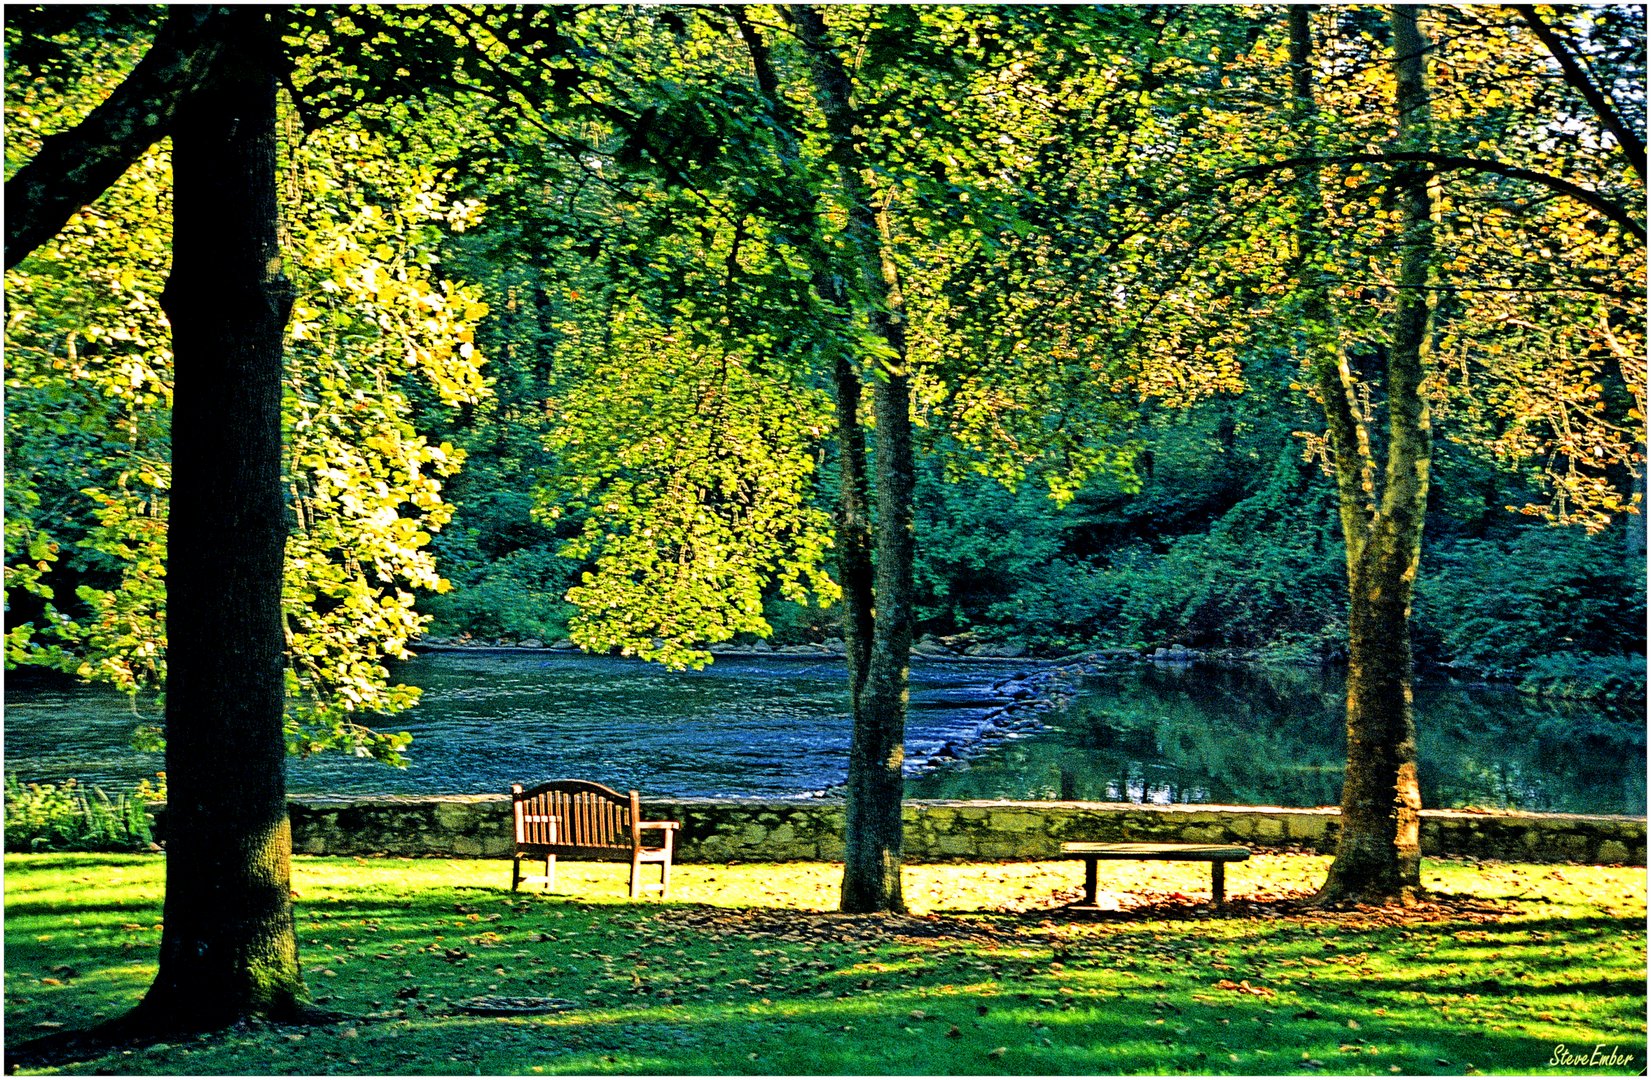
(1624,683)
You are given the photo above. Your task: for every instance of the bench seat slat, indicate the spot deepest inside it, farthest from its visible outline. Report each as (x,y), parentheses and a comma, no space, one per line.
(1168,852)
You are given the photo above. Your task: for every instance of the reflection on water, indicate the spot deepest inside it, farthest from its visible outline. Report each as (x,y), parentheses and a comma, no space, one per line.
(1275,737)
(486,720)
(778,727)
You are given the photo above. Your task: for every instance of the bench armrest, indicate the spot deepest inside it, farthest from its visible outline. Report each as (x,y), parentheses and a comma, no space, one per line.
(659,824)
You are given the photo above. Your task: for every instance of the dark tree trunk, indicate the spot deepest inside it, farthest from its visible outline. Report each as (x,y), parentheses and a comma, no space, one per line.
(1378,856)
(874,836)
(228,949)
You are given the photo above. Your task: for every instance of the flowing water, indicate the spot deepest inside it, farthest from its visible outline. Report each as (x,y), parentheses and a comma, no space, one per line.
(779,726)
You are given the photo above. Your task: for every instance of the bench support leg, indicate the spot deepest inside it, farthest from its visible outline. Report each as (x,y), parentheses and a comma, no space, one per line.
(1218,882)
(515,873)
(550,873)
(1090,873)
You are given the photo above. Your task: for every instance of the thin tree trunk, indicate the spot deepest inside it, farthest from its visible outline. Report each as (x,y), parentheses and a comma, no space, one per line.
(228,949)
(1378,856)
(874,837)
(853,510)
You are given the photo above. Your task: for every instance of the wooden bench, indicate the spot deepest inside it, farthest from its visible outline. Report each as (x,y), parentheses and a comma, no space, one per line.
(578,819)
(1218,856)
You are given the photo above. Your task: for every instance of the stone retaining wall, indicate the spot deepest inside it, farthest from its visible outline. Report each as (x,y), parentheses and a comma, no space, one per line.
(789,830)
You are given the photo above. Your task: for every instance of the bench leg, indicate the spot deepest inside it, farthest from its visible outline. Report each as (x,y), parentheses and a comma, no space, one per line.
(665,877)
(515,873)
(550,873)
(1218,882)
(636,877)
(1090,874)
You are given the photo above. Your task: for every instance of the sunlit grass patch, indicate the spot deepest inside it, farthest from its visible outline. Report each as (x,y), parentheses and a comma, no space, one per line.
(749,971)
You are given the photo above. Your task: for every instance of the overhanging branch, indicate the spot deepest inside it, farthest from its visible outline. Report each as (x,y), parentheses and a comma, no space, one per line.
(1631,144)
(75,166)
(1439,163)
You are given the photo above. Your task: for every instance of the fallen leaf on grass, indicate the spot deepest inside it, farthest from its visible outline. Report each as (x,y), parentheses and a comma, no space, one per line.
(997,1052)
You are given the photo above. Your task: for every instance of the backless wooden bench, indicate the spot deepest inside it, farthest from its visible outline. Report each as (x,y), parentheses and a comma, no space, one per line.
(578,819)
(1218,856)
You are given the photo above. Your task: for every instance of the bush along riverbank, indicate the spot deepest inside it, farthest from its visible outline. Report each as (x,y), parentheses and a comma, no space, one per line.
(1605,680)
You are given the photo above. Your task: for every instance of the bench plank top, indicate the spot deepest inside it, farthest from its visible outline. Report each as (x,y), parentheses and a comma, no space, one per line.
(1185,852)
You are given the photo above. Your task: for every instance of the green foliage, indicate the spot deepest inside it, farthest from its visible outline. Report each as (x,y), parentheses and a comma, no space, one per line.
(520,595)
(68,817)
(88,379)
(1548,606)
(692,469)
(994,561)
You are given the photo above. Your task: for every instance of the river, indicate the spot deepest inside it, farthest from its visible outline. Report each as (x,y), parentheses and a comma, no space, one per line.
(779,726)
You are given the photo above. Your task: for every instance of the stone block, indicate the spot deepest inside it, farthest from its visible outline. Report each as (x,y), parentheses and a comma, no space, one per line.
(1268,827)
(785,829)
(1304,827)
(452,816)
(1613,851)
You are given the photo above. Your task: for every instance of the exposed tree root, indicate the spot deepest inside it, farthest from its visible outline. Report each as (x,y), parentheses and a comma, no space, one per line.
(147,1025)
(1334,897)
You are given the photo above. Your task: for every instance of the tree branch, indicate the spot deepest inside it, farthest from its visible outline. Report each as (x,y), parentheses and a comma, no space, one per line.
(75,166)
(1450,162)
(1631,144)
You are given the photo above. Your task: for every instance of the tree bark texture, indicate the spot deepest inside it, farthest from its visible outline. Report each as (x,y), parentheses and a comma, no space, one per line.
(1378,856)
(874,836)
(228,949)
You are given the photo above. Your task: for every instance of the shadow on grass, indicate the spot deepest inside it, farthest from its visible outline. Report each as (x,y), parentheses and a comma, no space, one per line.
(695,989)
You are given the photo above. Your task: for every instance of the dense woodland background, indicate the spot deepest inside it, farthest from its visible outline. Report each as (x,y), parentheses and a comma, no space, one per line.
(545,365)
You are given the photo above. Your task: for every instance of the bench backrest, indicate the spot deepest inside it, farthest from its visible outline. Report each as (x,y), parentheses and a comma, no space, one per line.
(568,817)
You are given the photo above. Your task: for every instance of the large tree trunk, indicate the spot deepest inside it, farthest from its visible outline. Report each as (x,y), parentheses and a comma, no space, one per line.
(228,949)
(873,838)
(1378,857)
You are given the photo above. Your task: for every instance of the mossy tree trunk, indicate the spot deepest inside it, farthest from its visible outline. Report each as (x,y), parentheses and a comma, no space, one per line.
(228,949)
(873,837)
(1378,853)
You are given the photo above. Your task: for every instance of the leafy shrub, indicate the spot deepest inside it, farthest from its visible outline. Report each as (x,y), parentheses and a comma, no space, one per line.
(519,596)
(1586,676)
(1554,607)
(68,817)
(798,624)
(1268,573)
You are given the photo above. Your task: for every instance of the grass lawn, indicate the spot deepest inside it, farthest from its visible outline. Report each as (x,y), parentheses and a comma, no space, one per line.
(745,971)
